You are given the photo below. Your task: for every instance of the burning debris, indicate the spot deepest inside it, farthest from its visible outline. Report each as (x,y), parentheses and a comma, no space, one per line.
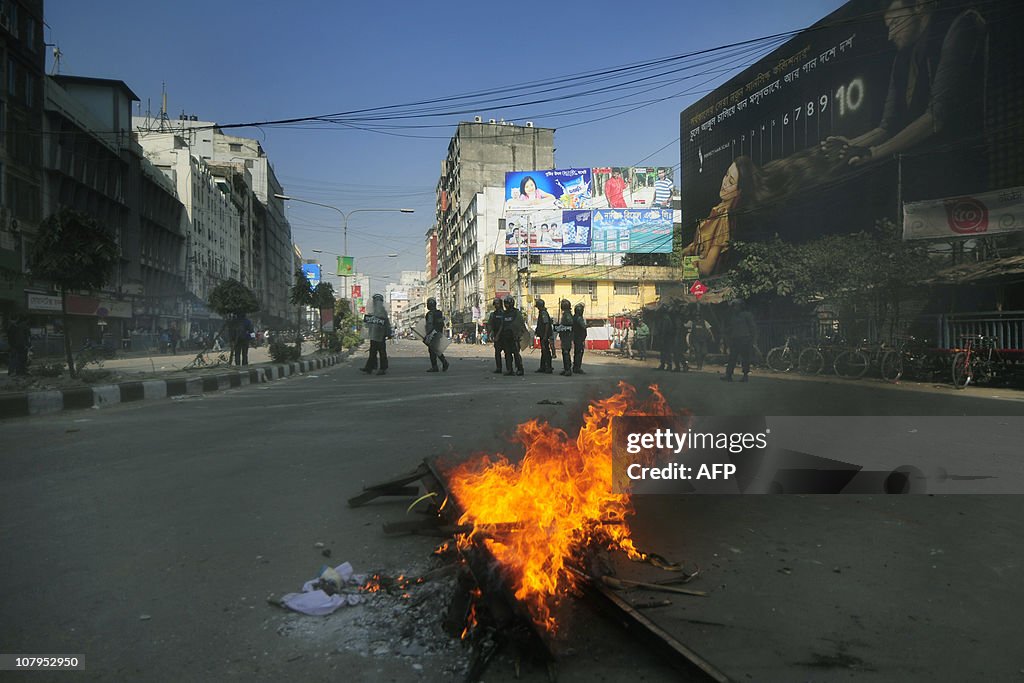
(528,534)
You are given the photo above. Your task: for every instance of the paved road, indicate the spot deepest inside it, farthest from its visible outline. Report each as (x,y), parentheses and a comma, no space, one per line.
(147,536)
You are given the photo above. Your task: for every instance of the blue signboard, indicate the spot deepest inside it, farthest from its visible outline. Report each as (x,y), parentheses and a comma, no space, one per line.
(312,272)
(634,231)
(563,188)
(547,232)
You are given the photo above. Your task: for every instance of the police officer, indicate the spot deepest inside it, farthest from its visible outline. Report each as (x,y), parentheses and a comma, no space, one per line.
(494,331)
(378,329)
(434,334)
(511,332)
(544,330)
(579,339)
(564,330)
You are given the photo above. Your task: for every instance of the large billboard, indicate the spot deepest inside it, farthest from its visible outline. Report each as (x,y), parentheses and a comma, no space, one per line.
(563,188)
(634,231)
(632,187)
(547,231)
(850,119)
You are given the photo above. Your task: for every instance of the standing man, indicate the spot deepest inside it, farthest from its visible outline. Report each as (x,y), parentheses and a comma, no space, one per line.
(678,314)
(494,332)
(378,329)
(666,338)
(662,190)
(564,330)
(699,337)
(544,332)
(244,340)
(509,337)
(579,339)
(740,333)
(614,188)
(641,335)
(434,334)
(18,339)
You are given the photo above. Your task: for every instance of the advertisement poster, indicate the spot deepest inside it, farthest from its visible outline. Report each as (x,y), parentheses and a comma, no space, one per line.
(547,231)
(850,119)
(635,231)
(567,188)
(640,187)
(312,272)
(972,216)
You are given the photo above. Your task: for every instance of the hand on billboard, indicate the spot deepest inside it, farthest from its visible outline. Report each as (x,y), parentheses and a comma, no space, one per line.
(858,156)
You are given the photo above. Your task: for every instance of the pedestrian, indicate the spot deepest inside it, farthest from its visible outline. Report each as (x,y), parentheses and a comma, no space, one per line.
(165,341)
(579,339)
(19,340)
(564,330)
(378,329)
(543,331)
(641,334)
(699,337)
(665,328)
(245,337)
(493,332)
(175,339)
(434,334)
(510,335)
(740,332)
(680,347)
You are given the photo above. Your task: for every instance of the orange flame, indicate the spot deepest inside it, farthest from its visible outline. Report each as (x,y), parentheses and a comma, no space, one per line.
(557,499)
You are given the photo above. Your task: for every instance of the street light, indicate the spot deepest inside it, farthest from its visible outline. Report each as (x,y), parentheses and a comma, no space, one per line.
(344,221)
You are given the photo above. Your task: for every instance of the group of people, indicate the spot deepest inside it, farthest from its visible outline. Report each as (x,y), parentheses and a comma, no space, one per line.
(678,330)
(570,327)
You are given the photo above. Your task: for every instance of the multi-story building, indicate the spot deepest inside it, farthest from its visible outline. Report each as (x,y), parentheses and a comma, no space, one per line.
(265,255)
(212,237)
(21,120)
(467,214)
(405,296)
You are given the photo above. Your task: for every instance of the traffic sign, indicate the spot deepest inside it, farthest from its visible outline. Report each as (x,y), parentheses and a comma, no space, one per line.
(698,289)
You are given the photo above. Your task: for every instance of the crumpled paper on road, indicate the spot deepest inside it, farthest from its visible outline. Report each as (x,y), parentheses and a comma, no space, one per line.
(321,596)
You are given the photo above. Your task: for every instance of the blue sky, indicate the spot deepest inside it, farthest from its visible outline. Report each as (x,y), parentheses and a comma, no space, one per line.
(241,61)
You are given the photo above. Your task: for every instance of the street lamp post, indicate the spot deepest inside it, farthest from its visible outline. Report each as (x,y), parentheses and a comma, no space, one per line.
(344,223)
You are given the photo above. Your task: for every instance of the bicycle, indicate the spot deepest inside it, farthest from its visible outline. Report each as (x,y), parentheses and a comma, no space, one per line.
(978,361)
(201,361)
(814,359)
(784,358)
(854,363)
(913,358)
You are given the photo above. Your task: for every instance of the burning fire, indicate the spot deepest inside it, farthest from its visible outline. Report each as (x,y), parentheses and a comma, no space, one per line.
(554,503)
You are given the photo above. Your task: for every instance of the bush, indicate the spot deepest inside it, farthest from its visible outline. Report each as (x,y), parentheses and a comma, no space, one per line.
(92,376)
(284,353)
(46,369)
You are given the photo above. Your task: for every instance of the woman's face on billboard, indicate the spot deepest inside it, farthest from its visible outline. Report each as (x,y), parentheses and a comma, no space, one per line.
(730,183)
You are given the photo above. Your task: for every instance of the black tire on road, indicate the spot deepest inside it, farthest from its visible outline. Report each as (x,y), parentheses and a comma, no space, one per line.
(780,359)
(851,364)
(810,362)
(963,373)
(891,366)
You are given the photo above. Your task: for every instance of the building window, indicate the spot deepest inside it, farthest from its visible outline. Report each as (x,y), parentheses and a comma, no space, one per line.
(235,146)
(583,286)
(543,287)
(626,289)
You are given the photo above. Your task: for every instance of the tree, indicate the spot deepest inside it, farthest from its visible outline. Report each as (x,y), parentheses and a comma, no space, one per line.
(301,295)
(323,297)
(231,297)
(74,252)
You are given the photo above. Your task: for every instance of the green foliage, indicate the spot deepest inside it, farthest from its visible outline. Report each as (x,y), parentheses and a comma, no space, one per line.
(46,369)
(231,297)
(864,272)
(73,251)
(301,293)
(323,296)
(284,353)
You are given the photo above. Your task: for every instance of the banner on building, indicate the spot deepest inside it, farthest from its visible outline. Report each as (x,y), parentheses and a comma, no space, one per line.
(557,188)
(327,319)
(974,216)
(312,273)
(346,265)
(639,187)
(551,231)
(634,231)
(824,135)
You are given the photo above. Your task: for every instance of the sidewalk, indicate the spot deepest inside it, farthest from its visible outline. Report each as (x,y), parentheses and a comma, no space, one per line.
(143,376)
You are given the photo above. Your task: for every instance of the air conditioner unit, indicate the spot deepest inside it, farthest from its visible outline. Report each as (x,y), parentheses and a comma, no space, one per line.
(529,124)
(477,119)
(491,121)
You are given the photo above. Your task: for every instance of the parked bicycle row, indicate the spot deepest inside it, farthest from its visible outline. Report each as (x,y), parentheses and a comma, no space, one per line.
(978,359)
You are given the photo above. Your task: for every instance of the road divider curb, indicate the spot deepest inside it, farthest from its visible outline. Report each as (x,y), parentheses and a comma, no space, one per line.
(25,404)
